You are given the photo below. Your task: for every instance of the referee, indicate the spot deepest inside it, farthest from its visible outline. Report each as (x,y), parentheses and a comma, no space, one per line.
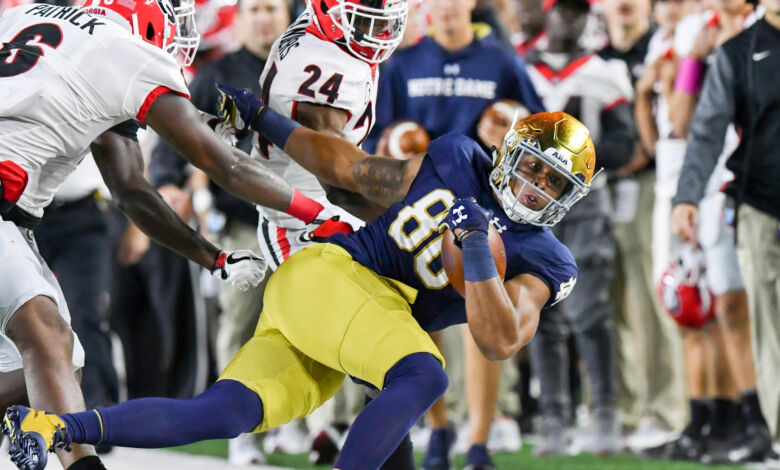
(740,87)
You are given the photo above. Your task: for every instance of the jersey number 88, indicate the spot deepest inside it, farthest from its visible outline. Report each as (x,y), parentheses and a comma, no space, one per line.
(413,227)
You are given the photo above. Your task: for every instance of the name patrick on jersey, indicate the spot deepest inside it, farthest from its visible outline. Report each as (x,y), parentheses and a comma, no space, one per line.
(75,16)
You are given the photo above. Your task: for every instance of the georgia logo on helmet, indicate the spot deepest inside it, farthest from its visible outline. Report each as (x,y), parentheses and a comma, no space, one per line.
(684,292)
(555,140)
(167,24)
(369,29)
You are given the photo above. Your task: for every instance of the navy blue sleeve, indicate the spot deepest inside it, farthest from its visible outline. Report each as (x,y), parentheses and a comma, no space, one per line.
(459,161)
(521,88)
(388,96)
(548,259)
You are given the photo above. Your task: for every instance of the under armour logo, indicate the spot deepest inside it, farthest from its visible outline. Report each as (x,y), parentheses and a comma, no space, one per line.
(497,225)
(451,69)
(461,216)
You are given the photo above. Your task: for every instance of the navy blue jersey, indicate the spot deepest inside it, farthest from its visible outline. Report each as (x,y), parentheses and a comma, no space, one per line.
(447,91)
(403,244)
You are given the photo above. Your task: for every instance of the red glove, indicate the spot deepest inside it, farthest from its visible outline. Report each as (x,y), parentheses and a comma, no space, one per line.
(13,180)
(330,227)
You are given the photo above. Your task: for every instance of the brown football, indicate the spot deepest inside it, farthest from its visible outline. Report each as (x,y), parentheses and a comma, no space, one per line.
(502,112)
(405,139)
(452,258)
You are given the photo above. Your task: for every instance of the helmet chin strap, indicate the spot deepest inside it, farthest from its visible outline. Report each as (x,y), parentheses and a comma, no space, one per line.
(526,214)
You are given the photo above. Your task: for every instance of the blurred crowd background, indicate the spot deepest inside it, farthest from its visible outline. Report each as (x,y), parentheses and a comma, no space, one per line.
(656,349)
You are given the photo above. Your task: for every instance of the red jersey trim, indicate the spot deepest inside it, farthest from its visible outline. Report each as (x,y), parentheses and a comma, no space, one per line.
(151,97)
(615,104)
(284,244)
(557,76)
(524,47)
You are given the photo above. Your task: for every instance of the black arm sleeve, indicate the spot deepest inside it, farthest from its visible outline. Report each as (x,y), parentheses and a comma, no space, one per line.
(127,129)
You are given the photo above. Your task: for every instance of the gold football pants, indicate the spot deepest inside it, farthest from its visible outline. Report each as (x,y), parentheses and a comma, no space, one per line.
(325,316)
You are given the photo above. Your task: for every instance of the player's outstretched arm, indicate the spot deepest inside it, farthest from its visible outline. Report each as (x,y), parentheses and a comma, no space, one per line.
(332,121)
(177,121)
(335,161)
(121,164)
(502,316)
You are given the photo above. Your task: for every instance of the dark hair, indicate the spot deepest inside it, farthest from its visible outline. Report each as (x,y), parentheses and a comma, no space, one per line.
(577,6)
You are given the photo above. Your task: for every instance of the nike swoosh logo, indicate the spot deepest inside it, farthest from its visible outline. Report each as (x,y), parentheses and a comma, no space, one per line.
(759,56)
(231,259)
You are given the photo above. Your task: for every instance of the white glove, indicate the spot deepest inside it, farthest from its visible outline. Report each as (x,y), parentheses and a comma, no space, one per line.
(223,129)
(241,268)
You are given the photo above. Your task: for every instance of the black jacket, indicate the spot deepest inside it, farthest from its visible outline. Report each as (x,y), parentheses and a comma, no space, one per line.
(740,87)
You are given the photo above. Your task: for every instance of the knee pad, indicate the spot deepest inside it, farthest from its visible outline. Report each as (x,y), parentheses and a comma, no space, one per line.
(424,370)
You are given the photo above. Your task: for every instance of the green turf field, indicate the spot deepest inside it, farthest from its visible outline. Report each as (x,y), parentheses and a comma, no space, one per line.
(520,461)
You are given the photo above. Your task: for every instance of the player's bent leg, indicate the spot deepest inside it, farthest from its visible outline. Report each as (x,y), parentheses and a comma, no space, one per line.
(360,324)
(12,388)
(224,410)
(411,386)
(45,343)
(290,384)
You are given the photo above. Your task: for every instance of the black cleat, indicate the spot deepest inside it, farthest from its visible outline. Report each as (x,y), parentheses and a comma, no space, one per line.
(478,458)
(755,445)
(439,453)
(684,447)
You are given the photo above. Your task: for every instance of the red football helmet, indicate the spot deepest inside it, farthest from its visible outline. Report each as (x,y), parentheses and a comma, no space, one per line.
(684,292)
(214,19)
(369,29)
(167,24)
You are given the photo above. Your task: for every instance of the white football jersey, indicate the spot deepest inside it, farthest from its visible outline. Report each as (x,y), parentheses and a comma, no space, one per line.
(598,83)
(302,67)
(65,78)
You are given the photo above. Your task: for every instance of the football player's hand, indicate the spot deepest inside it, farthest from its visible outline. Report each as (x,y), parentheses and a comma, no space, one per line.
(684,222)
(466,217)
(238,108)
(223,129)
(241,268)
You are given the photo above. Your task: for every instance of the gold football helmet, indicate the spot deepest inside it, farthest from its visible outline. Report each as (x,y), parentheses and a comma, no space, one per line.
(544,166)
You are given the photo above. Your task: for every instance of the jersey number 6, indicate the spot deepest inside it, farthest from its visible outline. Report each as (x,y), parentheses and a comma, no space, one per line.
(21,53)
(414,226)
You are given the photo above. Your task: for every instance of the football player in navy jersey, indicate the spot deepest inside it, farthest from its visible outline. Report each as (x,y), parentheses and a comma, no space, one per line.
(360,304)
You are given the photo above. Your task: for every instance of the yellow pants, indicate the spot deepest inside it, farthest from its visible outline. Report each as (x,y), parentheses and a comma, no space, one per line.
(325,316)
